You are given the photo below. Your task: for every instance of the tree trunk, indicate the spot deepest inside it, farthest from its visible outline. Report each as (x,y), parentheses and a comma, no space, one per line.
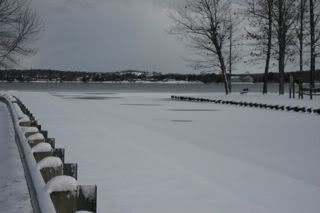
(224,71)
(300,35)
(302,11)
(266,70)
(282,55)
(312,44)
(230,54)
(281,73)
(281,46)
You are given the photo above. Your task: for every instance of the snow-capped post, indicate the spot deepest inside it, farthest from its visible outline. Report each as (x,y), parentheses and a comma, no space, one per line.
(41,151)
(63,193)
(35,139)
(50,167)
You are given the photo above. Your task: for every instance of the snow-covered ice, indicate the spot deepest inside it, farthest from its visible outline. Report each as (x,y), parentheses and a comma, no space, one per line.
(147,153)
(14,195)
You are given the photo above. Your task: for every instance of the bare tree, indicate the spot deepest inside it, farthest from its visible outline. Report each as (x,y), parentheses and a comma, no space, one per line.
(19,24)
(284,13)
(205,25)
(261,19)
(300,30)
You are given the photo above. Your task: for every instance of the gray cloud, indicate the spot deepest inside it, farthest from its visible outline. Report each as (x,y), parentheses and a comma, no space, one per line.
(107,35)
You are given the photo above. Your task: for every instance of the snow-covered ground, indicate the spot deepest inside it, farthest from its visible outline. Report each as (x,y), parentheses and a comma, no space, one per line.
(147,153)
(14,195)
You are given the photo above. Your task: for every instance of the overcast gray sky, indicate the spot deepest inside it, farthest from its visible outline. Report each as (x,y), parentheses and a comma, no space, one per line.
(107,35)
(114,35)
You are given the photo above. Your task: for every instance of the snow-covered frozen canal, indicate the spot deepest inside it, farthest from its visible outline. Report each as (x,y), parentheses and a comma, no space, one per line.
(148,154)
(14,195)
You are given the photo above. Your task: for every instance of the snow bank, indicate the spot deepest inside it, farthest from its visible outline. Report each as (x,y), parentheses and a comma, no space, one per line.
(61,184)
(47,162)
(41,147)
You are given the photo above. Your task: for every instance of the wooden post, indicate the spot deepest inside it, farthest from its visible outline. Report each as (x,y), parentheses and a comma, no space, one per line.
(300,90)
(58,152)
(70,169)
(291,86)
(64,202)
(44,133)
(294,90)
(49,173)
(87,198)
(38,156)
(52,142)
(35,139)
(64,198)
(50,167)
(41,151)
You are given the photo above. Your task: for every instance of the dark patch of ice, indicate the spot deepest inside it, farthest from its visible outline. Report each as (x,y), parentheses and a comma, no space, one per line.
(193,110)
(99,93)
(182,121)
(140,104)
(92,98)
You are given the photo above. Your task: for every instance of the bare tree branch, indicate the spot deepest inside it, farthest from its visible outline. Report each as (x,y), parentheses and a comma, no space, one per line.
(19,25)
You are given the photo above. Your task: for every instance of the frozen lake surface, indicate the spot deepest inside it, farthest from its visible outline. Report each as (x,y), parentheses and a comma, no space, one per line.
(132,87)
(147,153)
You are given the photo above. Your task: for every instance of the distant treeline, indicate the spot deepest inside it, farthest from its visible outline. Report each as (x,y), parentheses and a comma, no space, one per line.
(135,75)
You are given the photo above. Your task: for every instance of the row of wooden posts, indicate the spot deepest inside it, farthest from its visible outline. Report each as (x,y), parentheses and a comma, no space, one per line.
(249,104)
(83,197)
(302,90)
